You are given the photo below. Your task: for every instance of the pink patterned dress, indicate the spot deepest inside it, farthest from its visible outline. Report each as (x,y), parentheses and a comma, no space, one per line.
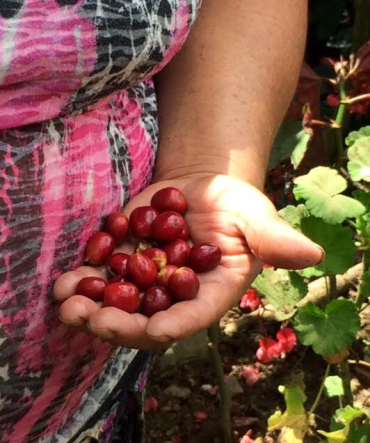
(78,136)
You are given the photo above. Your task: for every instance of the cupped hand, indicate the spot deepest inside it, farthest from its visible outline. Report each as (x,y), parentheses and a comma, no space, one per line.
(226,211)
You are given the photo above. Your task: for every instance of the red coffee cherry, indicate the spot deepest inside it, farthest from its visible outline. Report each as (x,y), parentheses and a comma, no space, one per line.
(177,252)
(158,256)
(204,257)
(167,226)
(183,284)
(99,247)
(156,299)
(169,199)
(122,295)
(91,287)
(117,263)
(185,234)
(165,274)
(141,270)
(117,225)
(141,220)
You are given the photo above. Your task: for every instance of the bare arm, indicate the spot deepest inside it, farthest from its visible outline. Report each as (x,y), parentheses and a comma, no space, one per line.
(222,99)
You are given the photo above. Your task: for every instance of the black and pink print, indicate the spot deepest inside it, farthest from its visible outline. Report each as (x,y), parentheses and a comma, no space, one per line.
(78,136)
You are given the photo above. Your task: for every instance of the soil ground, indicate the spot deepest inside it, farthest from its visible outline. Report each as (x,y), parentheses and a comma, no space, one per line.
(175,421)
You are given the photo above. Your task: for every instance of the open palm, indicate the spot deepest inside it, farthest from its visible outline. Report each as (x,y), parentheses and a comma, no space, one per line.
(222,210)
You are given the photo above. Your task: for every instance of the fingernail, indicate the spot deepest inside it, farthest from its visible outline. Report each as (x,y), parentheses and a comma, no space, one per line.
(323,254)
(78,322)
(160,338)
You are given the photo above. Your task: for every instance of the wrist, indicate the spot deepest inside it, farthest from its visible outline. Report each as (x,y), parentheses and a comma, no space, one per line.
(249,168)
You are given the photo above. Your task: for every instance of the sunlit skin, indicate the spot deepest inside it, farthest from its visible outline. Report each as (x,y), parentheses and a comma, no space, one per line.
(221,101)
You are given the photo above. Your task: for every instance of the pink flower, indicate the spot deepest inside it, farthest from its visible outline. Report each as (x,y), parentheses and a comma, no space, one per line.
(287,339)
(247,437)
(250,300)
(251,375)
(151,404)
(200,416)
(268,350)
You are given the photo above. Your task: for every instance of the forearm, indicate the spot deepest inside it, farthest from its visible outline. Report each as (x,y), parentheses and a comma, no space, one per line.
(222,99)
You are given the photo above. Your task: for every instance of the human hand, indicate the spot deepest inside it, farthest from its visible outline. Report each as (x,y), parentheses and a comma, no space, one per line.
(226,211)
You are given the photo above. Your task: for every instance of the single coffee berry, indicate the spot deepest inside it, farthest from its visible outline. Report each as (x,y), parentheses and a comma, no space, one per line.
(99,247)
(141,220)
(177,252)
(141,270)
(91,287)
(117,225)
(183,284)
(122,295)
(117,263)
(156,299)
(169,199)
(167,226)
(204,257)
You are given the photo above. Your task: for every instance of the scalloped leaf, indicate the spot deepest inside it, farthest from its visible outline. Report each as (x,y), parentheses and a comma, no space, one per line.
(283,289)
(323,329)
(294,215)
(356,135)
(337,243)
(359,160)
(333,386)
(321,189)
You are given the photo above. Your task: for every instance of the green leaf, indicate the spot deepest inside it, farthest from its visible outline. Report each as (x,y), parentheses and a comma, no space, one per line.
(356,135)
(337,243)
(294,421)
(365,285)
(302,143)
(330,330)
(294,215)
(290,140)
(359,435)
(283,289)
(359,160)
(348,414)
(321,188)
(333,386)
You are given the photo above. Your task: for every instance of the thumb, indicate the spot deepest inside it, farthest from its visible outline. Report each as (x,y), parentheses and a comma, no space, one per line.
(276,243)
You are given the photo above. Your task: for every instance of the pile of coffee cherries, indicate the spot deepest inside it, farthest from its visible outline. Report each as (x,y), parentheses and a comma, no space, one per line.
(162,271)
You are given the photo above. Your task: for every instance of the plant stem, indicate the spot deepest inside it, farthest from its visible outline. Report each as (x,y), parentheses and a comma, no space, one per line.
(332,287)
(339,120)
(361,30)
(344,372)
(213,336)
(319,394)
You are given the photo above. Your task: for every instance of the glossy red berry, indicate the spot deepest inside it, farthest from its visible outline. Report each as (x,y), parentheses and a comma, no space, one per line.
(141,270)
(169,199)
(204,257)
(183,284)
(91,287)
(99,247)
(116,225)
(141,220)
(185,234)
(156,299)
(177,252)
(122,295)
(117,263)
(167,226)
(165,274)
(158,256)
